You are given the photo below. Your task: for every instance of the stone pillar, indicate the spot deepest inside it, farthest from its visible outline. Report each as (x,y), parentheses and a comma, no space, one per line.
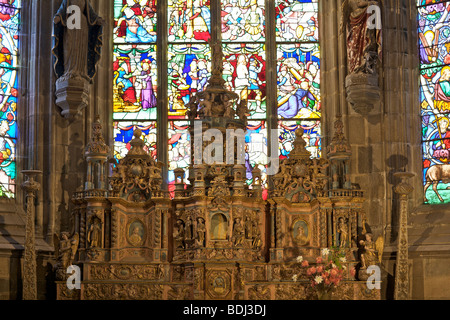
(402,265)
(29,268)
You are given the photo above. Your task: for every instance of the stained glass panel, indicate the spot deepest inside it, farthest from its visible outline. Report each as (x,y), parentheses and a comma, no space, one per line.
(298,73)
(297,20)
(188,72)
(123,134)
(179,147)
(434,58)
(243,21)
(245,74)
(135,82)
(9,45)
(256,145)
(312,136)
(135,21)
(189,21)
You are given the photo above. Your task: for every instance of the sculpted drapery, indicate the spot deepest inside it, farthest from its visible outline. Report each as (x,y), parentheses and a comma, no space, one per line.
(76,51)
(364,41)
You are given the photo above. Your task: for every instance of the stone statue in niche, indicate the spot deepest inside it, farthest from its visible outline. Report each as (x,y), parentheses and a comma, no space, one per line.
(342,230)
(238,232)
(364,41)
(77,43)
(94,236)
(189,228)
(201,232)
(179,234)
(362,21)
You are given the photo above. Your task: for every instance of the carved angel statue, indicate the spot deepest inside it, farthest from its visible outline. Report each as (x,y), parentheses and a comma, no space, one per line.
(364,35)
(65,249)
(371,252)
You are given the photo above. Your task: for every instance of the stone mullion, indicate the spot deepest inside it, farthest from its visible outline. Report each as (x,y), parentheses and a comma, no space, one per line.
(216,31)
(162,101)
(271,78)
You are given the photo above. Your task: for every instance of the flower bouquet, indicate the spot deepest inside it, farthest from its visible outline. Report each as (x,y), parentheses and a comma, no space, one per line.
(326,273)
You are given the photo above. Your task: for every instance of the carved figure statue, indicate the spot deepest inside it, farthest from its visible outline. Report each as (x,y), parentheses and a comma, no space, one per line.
(238,232)
(77,48)
(179,234)
(370,252)
(65,250)
(189,228)
(94,236)
(201,232)
(364,40)
(256,243)
(342,229)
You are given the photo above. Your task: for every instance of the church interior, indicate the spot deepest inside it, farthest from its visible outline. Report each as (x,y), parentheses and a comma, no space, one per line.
(149,150)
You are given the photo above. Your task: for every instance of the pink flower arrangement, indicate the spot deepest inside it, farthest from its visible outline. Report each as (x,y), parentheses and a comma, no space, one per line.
(327,273)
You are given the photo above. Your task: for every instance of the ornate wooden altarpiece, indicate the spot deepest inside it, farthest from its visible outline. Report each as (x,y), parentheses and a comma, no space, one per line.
(216,239)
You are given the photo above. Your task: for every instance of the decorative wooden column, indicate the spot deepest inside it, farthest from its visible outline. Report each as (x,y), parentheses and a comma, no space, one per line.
(402,265)
(29,269)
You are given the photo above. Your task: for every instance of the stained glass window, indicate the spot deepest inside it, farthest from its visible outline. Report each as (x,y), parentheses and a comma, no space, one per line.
(298,73)
(9,46)
(434,55)
(246,44)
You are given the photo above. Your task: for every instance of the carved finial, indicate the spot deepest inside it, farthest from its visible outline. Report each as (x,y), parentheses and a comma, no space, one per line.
(300,151)
(137,144)
(97,144)
(339,144)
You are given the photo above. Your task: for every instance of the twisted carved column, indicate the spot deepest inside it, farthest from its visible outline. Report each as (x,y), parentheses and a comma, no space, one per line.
(402,267)
(29,269)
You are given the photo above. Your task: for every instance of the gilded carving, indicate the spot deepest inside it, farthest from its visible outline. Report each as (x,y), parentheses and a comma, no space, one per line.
(290,292)
(259,292)
(301,232)
(66,247)
(122,291)
(218,284)
(222,239)
(179,293)
(136,233)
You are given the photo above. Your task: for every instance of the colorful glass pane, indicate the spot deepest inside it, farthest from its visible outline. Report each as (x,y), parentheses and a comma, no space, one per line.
(135,82)
(189,21)
(297,20)
(179,147)
(311,136)
(135,21)
(298,73)
(243,20)
(9,46)
(434,58)
(245,74)
(188,72)
(256,141)
(123,134)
